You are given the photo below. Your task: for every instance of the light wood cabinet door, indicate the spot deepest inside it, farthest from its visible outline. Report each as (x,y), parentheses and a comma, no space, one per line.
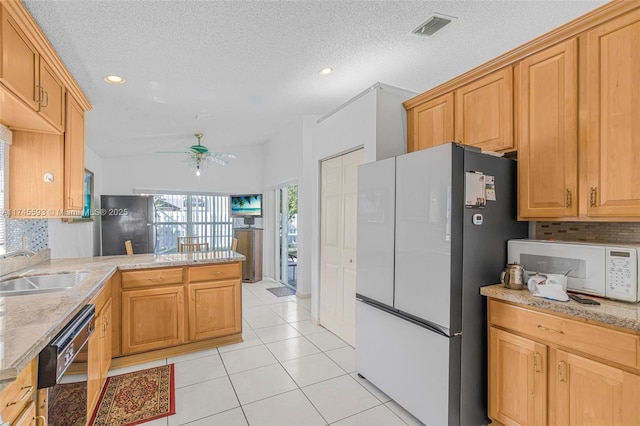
(590,393)
(105,339)
(19,70)
(214,309)
(32,156)
(431,123)
(52,96)
(17,395)
(28,417)
(517,379)
(484,112)
(94,373)
(74,156)
(152,319)
(613,135)
(548,142)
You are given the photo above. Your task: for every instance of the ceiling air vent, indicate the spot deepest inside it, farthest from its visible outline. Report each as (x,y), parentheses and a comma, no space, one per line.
(432,25)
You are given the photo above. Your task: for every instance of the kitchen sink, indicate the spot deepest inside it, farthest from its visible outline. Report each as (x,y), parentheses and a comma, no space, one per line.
(37,284)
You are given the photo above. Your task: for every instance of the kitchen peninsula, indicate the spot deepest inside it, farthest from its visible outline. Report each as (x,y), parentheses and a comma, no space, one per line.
(29,322)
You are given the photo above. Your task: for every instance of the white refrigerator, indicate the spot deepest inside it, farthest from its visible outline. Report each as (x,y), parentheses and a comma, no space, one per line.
(433,227)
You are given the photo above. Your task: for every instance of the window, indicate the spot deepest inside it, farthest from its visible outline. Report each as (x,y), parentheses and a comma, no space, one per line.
(203,216)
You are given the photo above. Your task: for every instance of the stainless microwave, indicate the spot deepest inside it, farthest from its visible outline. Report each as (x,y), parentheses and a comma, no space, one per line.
(606,270)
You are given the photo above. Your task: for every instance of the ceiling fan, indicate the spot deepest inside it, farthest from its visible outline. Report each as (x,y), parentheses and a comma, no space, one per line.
(199,155)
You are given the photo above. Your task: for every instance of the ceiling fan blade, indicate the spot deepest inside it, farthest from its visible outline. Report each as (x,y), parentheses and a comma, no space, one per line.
(221,155)
(172,152)
(219,161)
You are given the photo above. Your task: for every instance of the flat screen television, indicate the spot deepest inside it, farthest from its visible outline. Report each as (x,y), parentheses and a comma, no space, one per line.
(247,205)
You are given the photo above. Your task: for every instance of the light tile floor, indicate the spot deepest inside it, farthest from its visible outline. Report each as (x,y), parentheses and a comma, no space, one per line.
(287,371)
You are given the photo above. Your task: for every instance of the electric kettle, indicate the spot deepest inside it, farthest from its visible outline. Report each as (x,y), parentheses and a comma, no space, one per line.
(513,276)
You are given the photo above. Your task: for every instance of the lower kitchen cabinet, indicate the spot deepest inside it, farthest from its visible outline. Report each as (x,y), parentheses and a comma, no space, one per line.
(17,403)
(152,318)
(547,369)
(28,416)
(589,392)
(99,348)
(518,379)
(165,307)
(214,309)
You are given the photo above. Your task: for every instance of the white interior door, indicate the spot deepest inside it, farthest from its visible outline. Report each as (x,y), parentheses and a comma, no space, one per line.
(338,203)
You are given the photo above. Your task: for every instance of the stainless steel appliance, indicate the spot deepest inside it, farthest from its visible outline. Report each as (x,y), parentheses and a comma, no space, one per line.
(58,355)
(127,217)
(606,270)
(513,276)
(433,227)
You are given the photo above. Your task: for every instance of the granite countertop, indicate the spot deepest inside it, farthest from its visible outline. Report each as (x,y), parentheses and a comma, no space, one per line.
(619,314)
(29,322)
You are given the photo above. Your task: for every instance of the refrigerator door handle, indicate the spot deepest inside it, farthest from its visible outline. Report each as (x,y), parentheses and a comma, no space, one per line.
(399,314)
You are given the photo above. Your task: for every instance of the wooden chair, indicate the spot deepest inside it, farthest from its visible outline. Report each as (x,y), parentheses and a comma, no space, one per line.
(128,247)
(234,244)
(193,247)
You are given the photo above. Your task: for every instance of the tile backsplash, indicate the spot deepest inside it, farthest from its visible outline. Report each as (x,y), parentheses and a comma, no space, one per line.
(35,232)
(617,232)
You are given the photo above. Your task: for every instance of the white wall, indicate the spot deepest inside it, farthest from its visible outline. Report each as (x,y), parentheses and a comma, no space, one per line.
(171,172)
(79,239)
(373,120)
(282,165)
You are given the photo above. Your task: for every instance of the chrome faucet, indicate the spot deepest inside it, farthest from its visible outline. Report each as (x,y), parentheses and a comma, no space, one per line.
(19,252)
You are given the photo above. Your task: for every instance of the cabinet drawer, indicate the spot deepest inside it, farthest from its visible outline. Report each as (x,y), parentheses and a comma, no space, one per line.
(151,277)
(18,394)
(214,273)
(602,342)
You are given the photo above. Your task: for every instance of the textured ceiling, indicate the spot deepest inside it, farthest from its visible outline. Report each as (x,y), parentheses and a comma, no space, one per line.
(253,65)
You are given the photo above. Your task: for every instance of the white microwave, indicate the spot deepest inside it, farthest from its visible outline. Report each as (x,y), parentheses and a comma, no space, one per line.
(606,270)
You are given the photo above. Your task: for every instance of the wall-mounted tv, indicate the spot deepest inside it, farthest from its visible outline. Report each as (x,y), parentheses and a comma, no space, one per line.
(247,205)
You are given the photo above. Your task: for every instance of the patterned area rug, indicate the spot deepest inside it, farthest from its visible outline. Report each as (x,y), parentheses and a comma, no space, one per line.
(126,400)
(282,291)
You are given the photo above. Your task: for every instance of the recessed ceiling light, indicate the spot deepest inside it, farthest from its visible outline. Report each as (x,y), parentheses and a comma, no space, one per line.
(326,71)
(114,79)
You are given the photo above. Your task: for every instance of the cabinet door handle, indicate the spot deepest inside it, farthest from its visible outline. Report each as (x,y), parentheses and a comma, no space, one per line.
(568,198)
(550,330)
(536,363)
(562,371)
(180,297)
(193,295)
(592,197)
(25,396)
(45,99)
(44,420)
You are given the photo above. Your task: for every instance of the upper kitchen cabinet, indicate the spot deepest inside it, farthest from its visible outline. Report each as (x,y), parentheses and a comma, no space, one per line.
(20,71)
(430,123)
(484,112)
(548,133)
(36,164)
(74,157)
(613,126)
(30,78)
(566,103)
(51,96)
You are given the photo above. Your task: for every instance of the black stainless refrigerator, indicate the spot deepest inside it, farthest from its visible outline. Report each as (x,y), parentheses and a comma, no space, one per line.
(433,227)
(127,217)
